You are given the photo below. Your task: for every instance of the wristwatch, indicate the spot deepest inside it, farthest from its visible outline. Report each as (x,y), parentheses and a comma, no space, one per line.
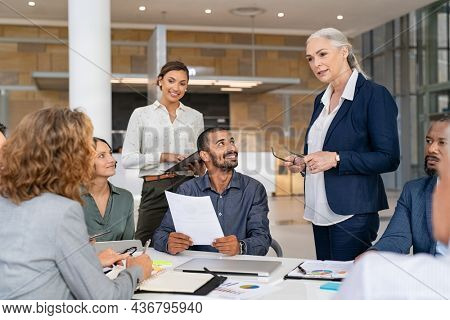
(338,159)
(242,247)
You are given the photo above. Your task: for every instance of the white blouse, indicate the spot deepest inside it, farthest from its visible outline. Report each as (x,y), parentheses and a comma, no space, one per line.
(317,209)
(150,133)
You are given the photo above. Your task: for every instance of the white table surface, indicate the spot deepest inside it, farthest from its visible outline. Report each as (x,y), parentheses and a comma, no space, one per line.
(281,289)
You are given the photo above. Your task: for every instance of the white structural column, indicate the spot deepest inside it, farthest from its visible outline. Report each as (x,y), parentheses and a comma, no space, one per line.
(90,62)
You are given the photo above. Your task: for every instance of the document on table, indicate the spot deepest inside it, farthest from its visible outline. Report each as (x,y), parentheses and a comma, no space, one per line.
(195,217)
(316,269)
(241,290)
(175,282)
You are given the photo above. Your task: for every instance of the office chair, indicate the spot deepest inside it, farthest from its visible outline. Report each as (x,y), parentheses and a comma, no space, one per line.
(277,248)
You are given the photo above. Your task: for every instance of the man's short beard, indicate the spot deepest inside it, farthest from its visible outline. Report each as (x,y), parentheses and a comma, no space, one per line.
(225,165)
(429,171)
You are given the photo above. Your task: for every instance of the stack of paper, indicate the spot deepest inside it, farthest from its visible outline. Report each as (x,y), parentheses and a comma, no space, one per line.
(195,217)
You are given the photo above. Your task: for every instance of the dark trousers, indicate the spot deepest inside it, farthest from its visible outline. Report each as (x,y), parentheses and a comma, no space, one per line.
(346,240)
(154,205)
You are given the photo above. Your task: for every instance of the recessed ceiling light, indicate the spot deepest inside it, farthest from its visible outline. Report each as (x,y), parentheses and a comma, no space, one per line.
(340,17)
(280,14)
(142,8)
(247,11)
(31,3)
(231,89)
(208,11)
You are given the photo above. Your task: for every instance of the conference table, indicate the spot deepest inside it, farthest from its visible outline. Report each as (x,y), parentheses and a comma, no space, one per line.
(276,288)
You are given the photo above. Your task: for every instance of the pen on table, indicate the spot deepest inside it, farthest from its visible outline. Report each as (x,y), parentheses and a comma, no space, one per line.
(301,269)
(147,244)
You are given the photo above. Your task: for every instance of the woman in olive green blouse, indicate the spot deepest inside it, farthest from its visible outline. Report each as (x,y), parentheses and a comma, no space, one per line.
(107,207)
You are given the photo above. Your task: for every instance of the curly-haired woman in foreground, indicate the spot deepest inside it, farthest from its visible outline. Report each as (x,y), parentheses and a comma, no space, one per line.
(44,244)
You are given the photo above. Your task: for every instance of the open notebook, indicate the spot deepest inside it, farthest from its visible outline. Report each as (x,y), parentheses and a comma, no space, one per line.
(179,282)
(169,281)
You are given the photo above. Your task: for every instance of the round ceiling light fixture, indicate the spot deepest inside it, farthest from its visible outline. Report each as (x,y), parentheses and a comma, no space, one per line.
(247,11)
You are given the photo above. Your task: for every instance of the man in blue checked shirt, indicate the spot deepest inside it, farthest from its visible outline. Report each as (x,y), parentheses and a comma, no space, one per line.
(240,202)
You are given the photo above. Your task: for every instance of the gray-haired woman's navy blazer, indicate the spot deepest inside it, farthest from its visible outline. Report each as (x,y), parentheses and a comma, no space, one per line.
(364,132)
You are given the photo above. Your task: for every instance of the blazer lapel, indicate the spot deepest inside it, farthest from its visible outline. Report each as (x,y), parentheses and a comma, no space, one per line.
(428,199)
(343,109)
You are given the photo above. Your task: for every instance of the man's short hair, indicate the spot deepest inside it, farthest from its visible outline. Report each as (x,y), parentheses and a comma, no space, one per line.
(443,118)
(3,129)
(203,138)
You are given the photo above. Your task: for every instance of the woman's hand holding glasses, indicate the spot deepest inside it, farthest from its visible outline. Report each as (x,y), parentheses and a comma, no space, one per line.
(295,162)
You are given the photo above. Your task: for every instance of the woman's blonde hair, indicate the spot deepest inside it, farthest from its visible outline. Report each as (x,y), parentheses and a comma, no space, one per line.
(339,40)
(51,150)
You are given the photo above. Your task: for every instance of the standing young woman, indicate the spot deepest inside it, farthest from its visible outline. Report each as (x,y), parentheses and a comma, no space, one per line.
(352,139)
(44,244)
(158,136)
(107,207)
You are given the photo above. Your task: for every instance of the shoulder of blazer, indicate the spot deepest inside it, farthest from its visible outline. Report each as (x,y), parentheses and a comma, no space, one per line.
(419,186)
(369,87)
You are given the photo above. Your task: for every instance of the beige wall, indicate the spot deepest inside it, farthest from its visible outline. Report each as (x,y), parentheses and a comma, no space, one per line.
(19,60)
(257,118)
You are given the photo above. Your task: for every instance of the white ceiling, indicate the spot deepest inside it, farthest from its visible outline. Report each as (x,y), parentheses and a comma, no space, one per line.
(302,16)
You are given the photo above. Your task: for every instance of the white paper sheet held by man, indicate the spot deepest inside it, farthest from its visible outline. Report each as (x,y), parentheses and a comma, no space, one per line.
(195,217)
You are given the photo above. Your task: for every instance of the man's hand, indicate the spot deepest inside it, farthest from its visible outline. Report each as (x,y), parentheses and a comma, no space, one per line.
(144,262)
(294,164)
(171,157)
(178,242)
(320,161)
(198,167)
(108,257)
(228,245)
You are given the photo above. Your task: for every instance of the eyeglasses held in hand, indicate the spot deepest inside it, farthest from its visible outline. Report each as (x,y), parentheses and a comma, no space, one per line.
(283,159)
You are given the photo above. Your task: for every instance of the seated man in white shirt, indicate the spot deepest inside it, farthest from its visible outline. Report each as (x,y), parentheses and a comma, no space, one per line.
(381,275)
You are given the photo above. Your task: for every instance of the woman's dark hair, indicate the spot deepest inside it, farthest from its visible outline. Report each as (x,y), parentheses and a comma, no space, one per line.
(96,140)
(173,66)
(2,129)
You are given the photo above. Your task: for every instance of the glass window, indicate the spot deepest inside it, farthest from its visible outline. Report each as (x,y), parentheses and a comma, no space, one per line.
(442,67)
(442,29)
(413,70)
(412,29)
(414,136)
(397,33)
(379,41)
(398,73)
(443,105)
(378,69)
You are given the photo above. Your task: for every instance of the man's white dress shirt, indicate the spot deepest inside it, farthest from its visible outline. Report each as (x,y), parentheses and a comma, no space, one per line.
(383,275)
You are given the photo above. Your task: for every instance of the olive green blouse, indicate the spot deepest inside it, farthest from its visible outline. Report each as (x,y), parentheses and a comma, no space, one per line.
(118,215)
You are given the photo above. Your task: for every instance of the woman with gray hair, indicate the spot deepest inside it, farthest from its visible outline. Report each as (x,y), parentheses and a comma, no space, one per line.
(351,140)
